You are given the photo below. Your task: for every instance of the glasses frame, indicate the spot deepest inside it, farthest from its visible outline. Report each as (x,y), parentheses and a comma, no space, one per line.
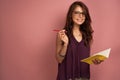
(78,13)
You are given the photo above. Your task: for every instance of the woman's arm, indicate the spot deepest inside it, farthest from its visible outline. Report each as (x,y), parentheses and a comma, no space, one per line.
(61,46)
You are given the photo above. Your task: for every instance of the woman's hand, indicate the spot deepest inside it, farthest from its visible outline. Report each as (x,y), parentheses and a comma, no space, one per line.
(63,36)
(97,61)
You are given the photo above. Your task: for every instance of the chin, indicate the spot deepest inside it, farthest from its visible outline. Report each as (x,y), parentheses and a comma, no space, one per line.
(80,23)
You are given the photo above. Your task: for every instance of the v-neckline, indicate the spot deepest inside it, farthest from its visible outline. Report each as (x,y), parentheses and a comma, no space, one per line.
(76,39)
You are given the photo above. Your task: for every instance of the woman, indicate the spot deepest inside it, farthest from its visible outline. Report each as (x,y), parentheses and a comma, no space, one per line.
(73,44)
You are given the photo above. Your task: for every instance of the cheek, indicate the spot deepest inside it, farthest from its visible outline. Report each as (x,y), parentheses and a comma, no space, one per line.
(73,18)
(83,19)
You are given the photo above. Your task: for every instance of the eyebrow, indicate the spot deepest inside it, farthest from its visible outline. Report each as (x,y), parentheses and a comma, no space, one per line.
(78,11)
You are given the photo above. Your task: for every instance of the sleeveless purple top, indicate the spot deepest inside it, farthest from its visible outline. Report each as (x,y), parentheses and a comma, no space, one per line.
(71,67)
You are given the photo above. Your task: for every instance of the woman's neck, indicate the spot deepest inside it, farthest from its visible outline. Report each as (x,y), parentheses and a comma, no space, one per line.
(76,28)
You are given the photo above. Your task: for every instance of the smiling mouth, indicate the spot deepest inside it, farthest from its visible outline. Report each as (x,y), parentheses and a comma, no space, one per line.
(79,20)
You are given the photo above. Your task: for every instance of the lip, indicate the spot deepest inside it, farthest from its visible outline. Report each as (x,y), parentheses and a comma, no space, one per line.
(79,20)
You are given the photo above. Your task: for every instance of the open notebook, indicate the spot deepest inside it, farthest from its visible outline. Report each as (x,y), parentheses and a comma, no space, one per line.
(102,55)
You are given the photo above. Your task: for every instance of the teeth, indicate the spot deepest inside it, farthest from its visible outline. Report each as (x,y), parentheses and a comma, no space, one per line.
(79,20)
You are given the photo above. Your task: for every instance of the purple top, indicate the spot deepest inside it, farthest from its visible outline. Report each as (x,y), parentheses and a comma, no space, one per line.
(71,67)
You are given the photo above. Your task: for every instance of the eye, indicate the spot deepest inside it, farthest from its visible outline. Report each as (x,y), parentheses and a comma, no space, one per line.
(76,12)
(79,13)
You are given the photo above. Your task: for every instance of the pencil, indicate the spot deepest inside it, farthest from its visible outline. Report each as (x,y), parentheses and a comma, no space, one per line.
(56,30)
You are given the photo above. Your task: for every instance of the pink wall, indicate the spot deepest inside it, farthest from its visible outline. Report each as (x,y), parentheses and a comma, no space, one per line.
(28,43)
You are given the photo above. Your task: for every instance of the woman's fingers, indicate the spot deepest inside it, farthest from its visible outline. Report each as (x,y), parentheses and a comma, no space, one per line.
(62,33)
(97,61)
(63,36)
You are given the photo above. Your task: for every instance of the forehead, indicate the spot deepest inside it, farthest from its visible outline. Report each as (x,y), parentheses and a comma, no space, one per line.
(78,8)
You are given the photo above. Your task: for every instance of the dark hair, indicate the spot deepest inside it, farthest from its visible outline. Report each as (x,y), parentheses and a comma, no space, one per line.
(85,28)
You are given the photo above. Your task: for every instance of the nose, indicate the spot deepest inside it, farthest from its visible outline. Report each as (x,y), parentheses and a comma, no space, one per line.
(81,15)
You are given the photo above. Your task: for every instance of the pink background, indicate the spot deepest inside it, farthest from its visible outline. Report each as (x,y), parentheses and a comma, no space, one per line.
(27,41)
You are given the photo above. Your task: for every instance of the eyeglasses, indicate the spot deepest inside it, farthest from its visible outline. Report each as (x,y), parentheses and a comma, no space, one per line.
(77,13)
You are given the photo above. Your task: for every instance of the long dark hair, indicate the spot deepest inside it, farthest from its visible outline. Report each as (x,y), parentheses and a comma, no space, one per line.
(85,28)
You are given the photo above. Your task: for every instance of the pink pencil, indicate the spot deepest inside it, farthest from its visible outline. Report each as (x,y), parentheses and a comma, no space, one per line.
(56,30)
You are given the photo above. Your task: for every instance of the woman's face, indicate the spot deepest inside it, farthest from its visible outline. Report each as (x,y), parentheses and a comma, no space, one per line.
(78,16)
